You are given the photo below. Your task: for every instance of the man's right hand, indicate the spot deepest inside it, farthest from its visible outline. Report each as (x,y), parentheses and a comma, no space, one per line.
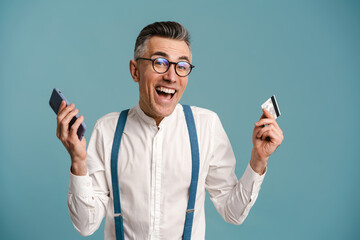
(69,138)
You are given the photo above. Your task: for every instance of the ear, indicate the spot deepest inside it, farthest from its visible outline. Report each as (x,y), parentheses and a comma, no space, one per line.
(134,71)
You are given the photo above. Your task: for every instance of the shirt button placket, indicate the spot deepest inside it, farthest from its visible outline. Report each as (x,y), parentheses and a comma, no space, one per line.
(156,185)
(158,182)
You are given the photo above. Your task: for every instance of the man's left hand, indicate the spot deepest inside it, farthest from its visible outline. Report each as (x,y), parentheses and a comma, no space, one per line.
(267,137)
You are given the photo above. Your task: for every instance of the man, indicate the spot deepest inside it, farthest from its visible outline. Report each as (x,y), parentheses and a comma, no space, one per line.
(155,163)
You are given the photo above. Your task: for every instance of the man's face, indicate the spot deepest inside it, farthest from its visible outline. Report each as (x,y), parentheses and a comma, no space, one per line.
(157,99)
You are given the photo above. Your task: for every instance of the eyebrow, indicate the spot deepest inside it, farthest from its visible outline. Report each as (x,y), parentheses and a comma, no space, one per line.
(167,56)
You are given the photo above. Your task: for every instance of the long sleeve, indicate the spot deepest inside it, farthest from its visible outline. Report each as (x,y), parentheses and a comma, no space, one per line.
(89,195)
(154,175)
(233,199)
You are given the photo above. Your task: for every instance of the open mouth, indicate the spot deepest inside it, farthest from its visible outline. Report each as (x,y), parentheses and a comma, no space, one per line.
(166,93)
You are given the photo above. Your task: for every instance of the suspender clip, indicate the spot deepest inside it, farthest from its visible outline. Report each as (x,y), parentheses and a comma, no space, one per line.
(190,210)
(117,215)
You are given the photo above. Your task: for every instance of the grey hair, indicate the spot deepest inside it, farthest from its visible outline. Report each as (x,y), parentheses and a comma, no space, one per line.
(172,30)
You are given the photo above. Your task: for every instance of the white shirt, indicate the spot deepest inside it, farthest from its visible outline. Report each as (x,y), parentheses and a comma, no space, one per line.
(154,171)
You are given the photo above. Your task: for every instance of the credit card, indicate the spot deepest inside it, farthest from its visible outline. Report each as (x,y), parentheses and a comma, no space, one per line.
(272,106)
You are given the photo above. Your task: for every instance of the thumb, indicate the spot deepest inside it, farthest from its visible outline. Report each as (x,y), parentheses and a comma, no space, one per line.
(267,114)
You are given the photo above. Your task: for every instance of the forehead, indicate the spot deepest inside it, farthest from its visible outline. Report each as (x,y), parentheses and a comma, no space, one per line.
(174,49)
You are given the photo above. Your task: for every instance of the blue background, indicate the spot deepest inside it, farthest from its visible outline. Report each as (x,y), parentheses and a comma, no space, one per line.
(305,52)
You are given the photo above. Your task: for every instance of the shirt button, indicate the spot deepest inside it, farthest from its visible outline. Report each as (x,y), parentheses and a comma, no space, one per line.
(88,184)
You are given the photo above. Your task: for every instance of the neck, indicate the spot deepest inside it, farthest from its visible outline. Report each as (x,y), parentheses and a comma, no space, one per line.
(157,119)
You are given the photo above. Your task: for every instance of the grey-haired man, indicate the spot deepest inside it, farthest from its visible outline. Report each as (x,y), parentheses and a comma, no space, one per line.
(154,163)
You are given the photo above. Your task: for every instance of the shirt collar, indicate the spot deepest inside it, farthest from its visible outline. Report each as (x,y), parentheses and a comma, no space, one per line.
(151,121)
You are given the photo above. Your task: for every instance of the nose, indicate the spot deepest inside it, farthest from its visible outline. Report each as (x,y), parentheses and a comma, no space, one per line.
(170,75)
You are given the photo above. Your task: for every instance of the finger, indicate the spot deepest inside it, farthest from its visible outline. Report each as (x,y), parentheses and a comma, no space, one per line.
(273,137)
(65,111)
(63,114)
(59,118)
(62,106)
(268,121)
(270,128)
(268,136)
(66,120)
(64,124)
(263,130)
(74,128)
(267,114)
(256,130)
(265,121)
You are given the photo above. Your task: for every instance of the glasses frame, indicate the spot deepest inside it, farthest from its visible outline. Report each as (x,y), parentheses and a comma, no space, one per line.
(175,64)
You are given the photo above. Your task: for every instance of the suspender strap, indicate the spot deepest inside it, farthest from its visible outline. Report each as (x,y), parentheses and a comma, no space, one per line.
(194,173)
(119,226)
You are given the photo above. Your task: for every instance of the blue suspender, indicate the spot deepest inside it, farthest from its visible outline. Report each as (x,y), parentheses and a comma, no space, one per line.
(194,173)
(119,226)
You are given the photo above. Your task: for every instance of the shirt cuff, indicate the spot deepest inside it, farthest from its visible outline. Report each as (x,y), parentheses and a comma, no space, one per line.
(251,180)
(80,185)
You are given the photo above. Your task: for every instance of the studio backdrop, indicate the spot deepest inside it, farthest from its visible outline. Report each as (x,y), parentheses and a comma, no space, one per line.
(307,53)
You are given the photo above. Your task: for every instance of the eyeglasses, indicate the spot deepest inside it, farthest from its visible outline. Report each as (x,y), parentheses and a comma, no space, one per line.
(162,65)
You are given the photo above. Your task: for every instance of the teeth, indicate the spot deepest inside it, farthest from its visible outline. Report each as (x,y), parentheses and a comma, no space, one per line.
(166,90)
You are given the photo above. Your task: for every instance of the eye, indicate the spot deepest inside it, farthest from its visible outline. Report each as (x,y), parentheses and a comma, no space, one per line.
(183,66)
(161,62)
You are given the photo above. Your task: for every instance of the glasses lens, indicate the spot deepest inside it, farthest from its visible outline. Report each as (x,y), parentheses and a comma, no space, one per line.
(161,65)
(183,68)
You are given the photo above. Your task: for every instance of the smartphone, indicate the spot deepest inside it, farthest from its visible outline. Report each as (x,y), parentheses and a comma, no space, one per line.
(55,100)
